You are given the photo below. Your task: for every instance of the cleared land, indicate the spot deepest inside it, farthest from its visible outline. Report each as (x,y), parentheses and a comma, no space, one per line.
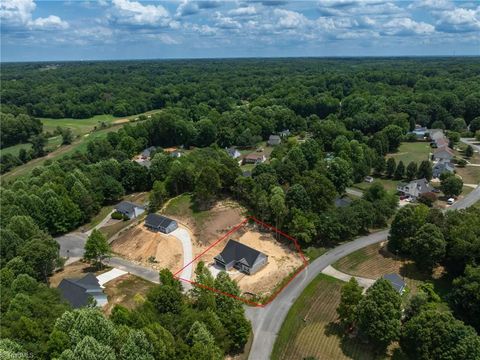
(388,184)
(283,259)
(206,226)
(149,248)
(127,290)
(469,174)
(311,328)
(75,270)
(412,151)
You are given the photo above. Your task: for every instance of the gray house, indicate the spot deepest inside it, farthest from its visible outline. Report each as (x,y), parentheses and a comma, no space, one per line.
(274,140)
(441,167)
(160,223)
(241,257)
(129,209)
(80,292)
(396,281)
(146,153)
(443,153)
(415,188)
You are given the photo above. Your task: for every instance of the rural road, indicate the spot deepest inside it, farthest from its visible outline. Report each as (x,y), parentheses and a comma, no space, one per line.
(267,321)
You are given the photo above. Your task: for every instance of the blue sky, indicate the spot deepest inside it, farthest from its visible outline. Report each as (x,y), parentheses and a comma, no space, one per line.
(126,29)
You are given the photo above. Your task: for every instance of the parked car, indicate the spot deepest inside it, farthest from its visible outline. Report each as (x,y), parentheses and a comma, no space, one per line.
(450,201)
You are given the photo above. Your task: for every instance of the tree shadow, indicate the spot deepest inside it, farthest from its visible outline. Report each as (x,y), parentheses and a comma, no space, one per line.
(351,345)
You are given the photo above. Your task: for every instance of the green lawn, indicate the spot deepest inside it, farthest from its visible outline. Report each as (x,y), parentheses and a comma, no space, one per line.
(412,151)
(389,184)
(52,144)
(182,207)
(78,126)
(310,328)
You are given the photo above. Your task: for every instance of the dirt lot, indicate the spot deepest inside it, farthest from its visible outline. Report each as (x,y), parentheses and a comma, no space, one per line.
(127,290)
(75,270)
(140,244)
(282,260)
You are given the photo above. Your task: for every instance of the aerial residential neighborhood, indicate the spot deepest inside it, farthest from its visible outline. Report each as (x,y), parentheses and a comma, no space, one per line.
(239,180)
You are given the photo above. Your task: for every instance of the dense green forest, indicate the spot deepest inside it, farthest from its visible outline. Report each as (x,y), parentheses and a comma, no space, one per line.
(347,115)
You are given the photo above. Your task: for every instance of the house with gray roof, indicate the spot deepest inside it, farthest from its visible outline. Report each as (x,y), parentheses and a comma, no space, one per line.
(415,188)
(156,222)
(241,257)
(83,292)
(129,209)
(443,166)
(274,140)
(396,281)
(443,153)
(146,153)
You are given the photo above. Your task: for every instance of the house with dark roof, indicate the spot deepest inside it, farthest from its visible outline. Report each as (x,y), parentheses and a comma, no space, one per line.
(415,188)
(241,257)
(233,153)
(443,153)
(81,292)
(396,281)
(443,166)
(274,140)
(129,209)
(254,158)
(156,222)
(419,132)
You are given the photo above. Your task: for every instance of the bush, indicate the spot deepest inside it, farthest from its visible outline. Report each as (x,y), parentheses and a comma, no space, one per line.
(462,163)
(119,216)
(427,198)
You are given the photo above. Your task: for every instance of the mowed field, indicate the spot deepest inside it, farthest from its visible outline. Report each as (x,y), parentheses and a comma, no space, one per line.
(311,329)
(412,151)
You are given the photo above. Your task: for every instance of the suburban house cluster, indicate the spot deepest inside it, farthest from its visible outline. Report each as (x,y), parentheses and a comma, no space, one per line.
(442,154)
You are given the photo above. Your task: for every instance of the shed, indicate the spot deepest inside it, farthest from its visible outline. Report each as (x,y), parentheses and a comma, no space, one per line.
(156,222)
(79,292)
(396,281)
(241,257)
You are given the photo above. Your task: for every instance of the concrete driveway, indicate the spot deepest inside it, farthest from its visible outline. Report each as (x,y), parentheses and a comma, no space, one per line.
(72,246)
(184,237)
(363,282)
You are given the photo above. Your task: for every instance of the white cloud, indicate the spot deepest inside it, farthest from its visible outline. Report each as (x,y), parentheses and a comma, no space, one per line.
(287,19)
(134,13)
(459,20)
(359,7)
(225,22)
(243,11)
(19,13)
(407,26)
(431,4)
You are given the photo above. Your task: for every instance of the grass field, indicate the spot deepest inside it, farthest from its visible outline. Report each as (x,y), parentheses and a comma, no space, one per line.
(181,206)
(310,328)
(469,174)
(128,291)
(411,151)
(389,184)
(374,261)
(52,144)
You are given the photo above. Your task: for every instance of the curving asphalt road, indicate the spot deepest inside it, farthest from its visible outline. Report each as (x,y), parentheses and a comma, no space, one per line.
(267,321)
(471,141)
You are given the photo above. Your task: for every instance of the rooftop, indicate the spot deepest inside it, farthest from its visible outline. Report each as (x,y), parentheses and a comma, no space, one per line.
(236,251)
(156,220)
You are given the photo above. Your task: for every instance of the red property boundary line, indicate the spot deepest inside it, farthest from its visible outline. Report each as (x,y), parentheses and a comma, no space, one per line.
(246,301)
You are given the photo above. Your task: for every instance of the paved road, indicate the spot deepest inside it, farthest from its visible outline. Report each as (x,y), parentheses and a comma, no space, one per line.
(267,321)
(467,201)
(471,141)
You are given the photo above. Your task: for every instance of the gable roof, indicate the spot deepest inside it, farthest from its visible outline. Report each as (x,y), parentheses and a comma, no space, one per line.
(235,251)
(274,139)
(415,187)
(396,281)
(441,142)
(78,291)
(146,152)
(127,207)
(156,220)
